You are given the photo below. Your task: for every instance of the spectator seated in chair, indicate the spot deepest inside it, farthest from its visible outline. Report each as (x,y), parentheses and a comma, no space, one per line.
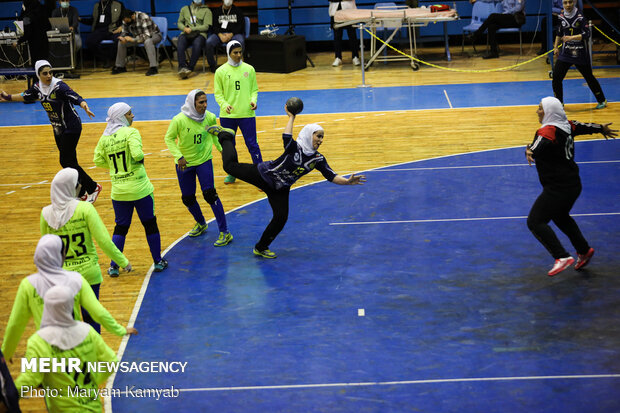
(138,27)
(194,22)
(228,24)
(512,16)
(105,25)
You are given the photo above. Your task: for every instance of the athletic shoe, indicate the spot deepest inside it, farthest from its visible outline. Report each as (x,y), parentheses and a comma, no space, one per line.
(198,230)
(161,265)
(584,259)
(184,72)
(560,265)
(93,197)
(265,253)
(116,70)
(113,272)
(229,180)
(217,129)
(152,71)
(601,105)
(337,62)
(356,61)
(224,239)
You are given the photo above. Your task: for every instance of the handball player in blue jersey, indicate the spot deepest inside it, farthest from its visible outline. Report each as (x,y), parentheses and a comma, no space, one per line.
(58,100)
(276,177)
(573,33)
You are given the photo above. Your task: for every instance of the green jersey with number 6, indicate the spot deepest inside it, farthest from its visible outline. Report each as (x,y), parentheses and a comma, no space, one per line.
(236,87)
(188,139)
(122,154)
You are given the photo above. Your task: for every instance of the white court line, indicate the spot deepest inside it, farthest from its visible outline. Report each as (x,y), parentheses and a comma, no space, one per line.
(393,111)
(10,192)
(420,221)
(447,98)
(433,168)
(26,187)
(403,382)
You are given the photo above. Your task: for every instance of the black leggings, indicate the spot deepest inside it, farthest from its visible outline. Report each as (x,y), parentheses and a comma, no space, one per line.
(67,144)
(559,73)
(278,198)
(353,45)
(556,207)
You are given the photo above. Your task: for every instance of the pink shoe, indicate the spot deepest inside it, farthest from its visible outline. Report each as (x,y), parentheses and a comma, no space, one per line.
(584,259)
(560,265)
(93,197)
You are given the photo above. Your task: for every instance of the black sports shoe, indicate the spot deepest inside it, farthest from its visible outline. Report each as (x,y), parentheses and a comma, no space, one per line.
(116,70)
(152,71)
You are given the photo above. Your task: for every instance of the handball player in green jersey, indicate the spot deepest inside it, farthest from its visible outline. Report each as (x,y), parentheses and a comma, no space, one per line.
(61,337)
(48,257)
(236,91)
(120,151)
(77,223)
(191,146)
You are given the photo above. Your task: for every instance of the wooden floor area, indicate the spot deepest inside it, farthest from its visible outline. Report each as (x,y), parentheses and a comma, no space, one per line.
(359,142)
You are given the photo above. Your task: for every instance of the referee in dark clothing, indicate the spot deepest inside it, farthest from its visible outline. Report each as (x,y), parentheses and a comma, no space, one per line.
(553,153)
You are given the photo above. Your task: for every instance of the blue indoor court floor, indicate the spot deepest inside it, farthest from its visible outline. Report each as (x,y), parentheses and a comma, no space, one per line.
(459,314)
(421,291)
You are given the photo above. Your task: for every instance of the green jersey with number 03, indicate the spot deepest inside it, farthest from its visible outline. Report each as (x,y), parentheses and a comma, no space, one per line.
(122,154)
(188,139)
(77,238)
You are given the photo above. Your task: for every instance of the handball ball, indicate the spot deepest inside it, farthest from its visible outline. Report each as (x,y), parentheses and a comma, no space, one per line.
(294,105)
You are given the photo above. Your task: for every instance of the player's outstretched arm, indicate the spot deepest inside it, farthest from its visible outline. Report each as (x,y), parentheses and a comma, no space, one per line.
(352,180)
(6,97)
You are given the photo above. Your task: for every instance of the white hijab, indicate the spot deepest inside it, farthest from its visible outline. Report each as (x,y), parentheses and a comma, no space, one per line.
(63,198)
(116,118)
(48,257)
(229,47)
(189,108)
(554,114)
(58,327)
(304,140)
(45,89)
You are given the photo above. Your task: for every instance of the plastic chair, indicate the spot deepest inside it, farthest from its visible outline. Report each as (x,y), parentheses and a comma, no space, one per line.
(162,23)
(479,13)
(499,9)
